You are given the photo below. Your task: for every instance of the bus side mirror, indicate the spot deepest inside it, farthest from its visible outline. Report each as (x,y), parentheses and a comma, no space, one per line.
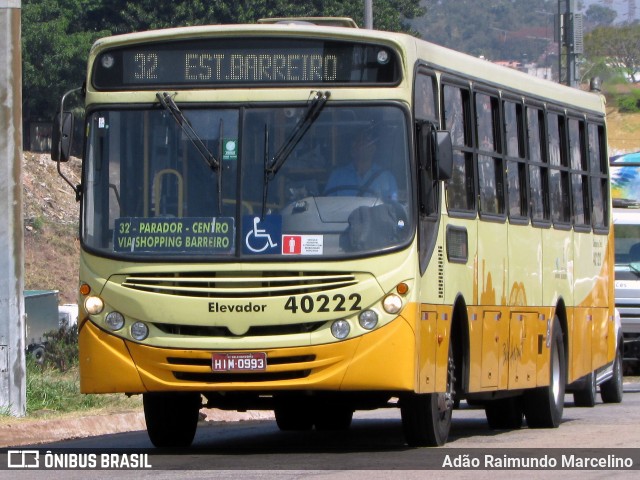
(435,152)
(61,137)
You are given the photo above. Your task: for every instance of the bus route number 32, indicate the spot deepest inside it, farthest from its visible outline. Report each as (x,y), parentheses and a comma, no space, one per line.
(324,303)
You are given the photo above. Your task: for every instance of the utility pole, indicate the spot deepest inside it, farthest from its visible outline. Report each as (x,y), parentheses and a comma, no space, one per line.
(368,14)
(12,326)
(570,41)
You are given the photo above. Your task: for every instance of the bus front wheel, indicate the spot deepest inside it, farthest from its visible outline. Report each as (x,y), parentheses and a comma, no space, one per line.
(426,418)
(543,406)
(172,418)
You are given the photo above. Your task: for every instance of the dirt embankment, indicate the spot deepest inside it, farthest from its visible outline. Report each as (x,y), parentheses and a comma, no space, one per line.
(50,212)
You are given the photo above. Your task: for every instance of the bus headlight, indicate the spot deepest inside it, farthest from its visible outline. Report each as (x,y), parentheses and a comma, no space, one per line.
(93,305)
(340,329)
(139,331)
(392,303)
(114,320)
(368,319)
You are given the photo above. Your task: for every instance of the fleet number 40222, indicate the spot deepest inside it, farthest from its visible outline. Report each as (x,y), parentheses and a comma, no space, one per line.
(324,303)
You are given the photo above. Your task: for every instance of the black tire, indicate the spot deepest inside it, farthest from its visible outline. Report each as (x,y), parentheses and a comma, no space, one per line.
(293,414)
(172,418)
(611,391)
(38,354)
(586,396)
(543,406)
(504,414)
(426,418)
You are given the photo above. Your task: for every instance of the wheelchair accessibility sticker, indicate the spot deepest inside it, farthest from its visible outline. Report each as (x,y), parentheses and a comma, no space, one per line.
(262,236)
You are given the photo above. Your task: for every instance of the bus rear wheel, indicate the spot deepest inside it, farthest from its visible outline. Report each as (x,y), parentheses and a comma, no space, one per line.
(172,418)
(611,391)
(426,418)
(543,406)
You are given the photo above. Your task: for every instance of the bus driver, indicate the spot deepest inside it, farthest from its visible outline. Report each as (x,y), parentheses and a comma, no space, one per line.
(362,176)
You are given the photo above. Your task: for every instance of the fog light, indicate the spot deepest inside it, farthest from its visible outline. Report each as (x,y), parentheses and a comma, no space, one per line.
(114,320)
(139,331)
(93,305)
(340,329)
(392,303)
(368,319)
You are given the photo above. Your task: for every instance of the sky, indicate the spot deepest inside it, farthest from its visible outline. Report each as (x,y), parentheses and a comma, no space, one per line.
(620,6)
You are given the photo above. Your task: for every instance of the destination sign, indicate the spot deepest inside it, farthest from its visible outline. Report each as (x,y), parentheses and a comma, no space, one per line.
(174,235)
(244,61)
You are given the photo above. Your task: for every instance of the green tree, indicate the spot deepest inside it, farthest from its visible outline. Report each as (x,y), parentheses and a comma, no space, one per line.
(126,16)
(54,51)
(600,15)
(499,29)
(618,46)
(58,34)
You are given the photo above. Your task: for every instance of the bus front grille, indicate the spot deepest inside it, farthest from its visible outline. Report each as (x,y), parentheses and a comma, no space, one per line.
(240,285)
(254,331)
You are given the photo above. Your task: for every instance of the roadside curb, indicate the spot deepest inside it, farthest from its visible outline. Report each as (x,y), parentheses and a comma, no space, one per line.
(22,431)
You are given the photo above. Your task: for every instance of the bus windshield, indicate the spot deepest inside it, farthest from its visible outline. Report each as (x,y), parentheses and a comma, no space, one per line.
(343,189)
(627,244)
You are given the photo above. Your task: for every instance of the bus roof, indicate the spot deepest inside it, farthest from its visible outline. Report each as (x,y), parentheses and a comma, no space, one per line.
(325,21)
(413,50)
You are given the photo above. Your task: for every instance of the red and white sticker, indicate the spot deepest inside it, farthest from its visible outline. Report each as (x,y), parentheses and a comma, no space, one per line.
(302,244)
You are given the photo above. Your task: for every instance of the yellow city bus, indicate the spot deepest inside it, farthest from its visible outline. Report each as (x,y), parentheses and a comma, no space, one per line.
(311,218)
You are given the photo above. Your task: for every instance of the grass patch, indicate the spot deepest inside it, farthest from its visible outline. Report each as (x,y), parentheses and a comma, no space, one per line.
(51,391)
(53,386)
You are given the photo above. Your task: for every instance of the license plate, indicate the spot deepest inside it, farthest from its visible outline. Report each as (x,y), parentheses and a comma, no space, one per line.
(239,362)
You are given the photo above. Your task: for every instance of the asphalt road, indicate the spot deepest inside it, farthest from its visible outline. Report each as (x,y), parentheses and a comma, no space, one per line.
(257,449)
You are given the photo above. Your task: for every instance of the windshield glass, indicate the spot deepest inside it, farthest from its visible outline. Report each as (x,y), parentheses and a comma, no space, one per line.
(343,189)
(627,243)
(625,186)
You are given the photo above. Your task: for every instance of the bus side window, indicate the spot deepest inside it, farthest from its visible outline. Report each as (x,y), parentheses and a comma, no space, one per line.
(558,171)
(461,186)
(490,163)
(579,173)
(598,174)
(516,166)
(538,180)
(424,101)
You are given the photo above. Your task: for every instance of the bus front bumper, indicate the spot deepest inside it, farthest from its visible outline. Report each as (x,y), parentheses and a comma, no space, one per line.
(384,360)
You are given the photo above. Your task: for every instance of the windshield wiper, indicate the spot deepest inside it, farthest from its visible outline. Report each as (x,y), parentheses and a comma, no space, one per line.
(315,107)
(170,106)
(271,166)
